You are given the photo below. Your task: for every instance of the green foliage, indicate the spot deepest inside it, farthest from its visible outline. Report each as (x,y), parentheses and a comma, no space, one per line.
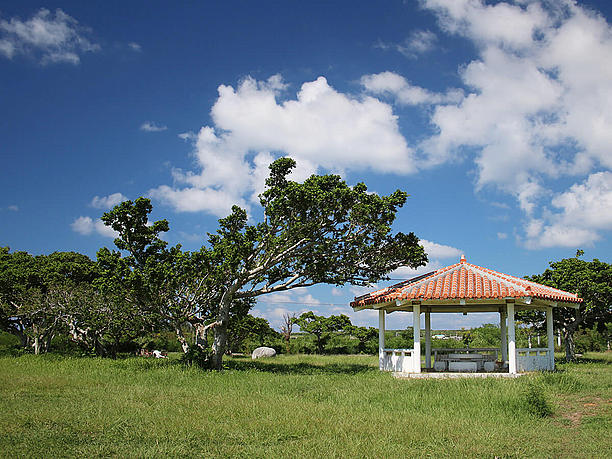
(590,280)
(322,328)
(364,335)
(591,339)
(535,401)
(199,357)
(248,328)
(487,335)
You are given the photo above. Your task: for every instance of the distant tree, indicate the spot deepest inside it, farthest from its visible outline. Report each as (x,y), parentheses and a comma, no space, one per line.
(363,334)
(243,327)
(321,327)
(287,328)
(487,335)
(590,280)
(34,293)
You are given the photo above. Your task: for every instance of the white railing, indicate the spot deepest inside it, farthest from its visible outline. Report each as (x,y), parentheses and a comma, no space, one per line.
(533,359)
(397,360)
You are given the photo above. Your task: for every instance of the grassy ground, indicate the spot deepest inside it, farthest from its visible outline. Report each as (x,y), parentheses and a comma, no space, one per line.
(293,406)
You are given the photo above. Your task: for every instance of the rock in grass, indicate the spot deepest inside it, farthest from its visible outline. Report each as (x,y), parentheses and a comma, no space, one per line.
(263,352)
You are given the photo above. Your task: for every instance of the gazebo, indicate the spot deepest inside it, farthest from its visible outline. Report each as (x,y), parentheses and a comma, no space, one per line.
(466,288)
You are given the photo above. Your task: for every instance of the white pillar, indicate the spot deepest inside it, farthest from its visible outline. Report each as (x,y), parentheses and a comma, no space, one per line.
(559,338)
(550,338)
(504,337)
(511,340)
(428,340)
(381,339)
(416,326)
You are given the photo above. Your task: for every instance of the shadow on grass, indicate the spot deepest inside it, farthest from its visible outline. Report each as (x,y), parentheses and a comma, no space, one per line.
(301,368)
(604,359)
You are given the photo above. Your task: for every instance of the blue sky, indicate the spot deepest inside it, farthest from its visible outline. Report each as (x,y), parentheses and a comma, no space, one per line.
(496,118)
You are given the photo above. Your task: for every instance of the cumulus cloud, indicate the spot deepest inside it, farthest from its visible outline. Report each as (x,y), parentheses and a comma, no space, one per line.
(87,226)
(439,251)
(254,124)
(107,202)
(151,126)
(396,86)
(48,37)
(538,107)
(584,210)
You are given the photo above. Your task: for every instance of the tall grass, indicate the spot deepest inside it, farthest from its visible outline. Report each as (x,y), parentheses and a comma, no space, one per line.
(292,406)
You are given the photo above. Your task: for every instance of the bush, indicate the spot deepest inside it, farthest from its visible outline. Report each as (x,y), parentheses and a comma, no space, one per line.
(197,356)
(8,341)
(536,403)
(341,344)
(589,339)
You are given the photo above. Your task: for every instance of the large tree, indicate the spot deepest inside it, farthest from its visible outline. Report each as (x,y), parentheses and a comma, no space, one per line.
(318,231)
(590,280)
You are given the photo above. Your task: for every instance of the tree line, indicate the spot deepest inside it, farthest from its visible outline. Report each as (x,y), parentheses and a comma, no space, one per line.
(318,231)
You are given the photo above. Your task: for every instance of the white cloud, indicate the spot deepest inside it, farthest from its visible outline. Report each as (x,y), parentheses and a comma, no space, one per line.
(502,235)
(188,136)
(215,201)
(135,46)
(321,127)
(585,210)
(435,252)
(13,208)
(440,251)
(538,106)
(151,126)
(107,202)
(419,42)
(49,37)
(392,84)
(87,226)
(502,24)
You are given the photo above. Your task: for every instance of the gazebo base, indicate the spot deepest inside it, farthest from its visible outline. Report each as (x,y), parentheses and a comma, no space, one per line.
(453,375)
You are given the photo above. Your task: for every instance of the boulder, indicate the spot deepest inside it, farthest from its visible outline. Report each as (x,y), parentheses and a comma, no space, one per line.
(263,352)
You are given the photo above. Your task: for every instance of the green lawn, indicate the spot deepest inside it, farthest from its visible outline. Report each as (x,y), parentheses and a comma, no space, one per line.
(333,406)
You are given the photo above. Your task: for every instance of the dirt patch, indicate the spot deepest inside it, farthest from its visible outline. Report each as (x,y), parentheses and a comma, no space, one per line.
(572,411)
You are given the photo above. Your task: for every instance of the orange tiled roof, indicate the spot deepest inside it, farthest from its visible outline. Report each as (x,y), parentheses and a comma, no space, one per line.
(464,280)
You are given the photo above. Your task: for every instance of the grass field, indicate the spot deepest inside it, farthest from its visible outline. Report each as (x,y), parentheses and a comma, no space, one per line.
(296,406)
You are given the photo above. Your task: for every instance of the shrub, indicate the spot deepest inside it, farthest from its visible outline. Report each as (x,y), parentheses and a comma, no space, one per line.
(536,403)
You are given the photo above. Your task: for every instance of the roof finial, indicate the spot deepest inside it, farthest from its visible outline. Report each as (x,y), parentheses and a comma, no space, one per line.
(462,260)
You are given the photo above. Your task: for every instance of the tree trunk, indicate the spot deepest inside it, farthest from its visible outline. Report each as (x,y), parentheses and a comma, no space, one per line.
(181,337)
(220,337)
(568,334)
(570,348)
(36,345)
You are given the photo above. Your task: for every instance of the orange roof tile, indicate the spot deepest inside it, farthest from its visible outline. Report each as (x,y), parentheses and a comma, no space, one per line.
(464,280)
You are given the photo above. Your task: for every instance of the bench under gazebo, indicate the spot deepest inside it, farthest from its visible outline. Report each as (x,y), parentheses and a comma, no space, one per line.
(466,288)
